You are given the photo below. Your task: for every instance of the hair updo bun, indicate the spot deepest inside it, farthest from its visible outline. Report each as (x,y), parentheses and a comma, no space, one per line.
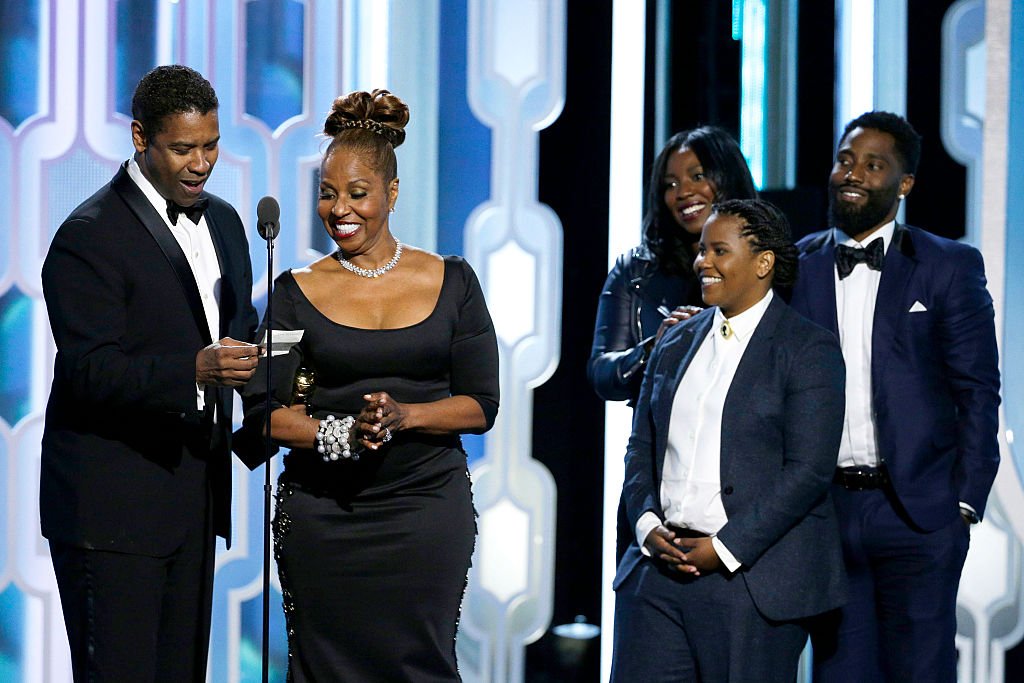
(379,112)
(371,124)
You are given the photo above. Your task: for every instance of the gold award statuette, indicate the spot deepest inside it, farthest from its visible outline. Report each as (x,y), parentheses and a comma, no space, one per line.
(302,388)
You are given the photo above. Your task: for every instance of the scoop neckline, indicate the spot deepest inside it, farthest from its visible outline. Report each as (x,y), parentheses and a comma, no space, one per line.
(433,311)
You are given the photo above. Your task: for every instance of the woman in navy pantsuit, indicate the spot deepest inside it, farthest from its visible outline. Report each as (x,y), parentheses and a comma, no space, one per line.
(727,488)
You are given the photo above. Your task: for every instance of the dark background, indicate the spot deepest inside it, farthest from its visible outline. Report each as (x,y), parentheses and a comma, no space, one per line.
(568,435)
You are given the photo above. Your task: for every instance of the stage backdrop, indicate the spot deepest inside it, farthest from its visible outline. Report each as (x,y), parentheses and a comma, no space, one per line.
(481,78)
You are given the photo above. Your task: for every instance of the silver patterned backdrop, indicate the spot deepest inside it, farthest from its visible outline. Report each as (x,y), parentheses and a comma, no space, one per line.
(482,77)
(67,69)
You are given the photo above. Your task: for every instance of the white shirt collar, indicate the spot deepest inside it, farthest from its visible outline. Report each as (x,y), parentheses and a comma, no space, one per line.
(885,232)
(158,201)
(744,324)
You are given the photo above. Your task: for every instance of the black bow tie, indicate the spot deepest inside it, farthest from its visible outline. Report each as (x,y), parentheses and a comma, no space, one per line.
(848,257)
(193,213)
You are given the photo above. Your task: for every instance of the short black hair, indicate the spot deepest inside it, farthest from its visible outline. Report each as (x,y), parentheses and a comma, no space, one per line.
(725,167)
(168,90)
(768,230)
(908,141)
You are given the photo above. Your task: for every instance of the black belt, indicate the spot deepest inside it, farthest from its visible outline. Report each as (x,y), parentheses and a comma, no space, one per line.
(861,478)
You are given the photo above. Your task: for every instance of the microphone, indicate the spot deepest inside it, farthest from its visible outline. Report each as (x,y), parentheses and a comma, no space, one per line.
(268,215)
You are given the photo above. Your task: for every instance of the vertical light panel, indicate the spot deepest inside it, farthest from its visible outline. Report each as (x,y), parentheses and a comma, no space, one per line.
(366,42)
(780,102)
(625,208)
(871,39)
(413,76)
(890,64)
(625,158)
(662,71)
(855,80)
(753,74)
(166,31)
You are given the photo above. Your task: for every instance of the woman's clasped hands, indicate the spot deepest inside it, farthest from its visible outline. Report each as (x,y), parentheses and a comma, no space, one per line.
(379,420)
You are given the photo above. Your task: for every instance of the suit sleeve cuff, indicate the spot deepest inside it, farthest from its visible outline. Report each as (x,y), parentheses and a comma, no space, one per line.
(644,526)
(969,512)
(727,558)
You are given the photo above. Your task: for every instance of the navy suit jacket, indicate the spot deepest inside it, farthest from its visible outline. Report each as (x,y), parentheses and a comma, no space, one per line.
(128,321)
(934,372)
(781,425)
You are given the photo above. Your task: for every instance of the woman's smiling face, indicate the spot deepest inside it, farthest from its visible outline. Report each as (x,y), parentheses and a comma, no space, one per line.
(732,275)
(688,192)
(354,200)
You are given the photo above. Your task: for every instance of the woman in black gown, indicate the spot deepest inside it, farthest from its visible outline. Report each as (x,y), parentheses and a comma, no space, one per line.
(373,536)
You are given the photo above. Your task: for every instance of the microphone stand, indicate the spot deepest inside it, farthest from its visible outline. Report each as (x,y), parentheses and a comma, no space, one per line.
(266,470)
(268,213)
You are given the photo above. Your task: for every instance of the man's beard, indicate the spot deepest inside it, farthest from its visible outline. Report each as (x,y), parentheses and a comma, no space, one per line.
(855,220)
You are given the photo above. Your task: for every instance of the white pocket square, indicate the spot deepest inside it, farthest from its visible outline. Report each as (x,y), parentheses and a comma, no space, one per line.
(917,307)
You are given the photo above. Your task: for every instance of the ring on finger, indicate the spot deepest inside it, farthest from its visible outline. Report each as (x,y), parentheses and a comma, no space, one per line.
(387,435)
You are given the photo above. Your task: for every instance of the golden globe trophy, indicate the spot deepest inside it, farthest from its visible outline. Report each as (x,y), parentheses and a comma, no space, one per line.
(302,388)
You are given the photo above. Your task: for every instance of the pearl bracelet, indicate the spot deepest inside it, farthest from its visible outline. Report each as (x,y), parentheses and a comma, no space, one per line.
(332,438)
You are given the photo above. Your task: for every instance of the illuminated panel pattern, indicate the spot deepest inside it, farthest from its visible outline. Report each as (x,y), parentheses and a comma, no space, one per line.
(67,75)
(978,130)
(19,43)
(66,78)
(516,87)
(268,148)
(963,97)
(273,60)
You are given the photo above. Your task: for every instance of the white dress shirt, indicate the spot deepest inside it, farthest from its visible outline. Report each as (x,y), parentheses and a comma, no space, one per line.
(855,311)
(691,488)
(196,242)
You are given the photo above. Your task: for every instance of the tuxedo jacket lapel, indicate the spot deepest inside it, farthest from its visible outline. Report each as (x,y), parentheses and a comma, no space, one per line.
(897,270)
(154,223)
(751,367)
(819,268)
(679,352)
(227,312)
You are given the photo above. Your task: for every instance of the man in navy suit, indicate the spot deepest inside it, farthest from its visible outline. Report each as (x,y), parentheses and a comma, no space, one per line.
(135,478)
(919,450)
(728,473)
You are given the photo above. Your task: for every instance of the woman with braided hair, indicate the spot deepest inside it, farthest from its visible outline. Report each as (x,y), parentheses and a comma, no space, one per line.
(729,470)
(374,523)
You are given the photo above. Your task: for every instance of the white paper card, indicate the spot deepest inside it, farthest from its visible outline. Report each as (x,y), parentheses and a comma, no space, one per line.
(283,340)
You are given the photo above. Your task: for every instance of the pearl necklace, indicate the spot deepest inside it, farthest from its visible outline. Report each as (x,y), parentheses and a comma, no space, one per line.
(376,272)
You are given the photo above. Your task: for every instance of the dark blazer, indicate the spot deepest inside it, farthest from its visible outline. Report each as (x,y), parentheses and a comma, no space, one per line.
(934,372)
(782,421)
(128,322)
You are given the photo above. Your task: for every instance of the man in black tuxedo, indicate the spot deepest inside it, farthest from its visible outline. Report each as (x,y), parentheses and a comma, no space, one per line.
(919,449)
(135,478)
